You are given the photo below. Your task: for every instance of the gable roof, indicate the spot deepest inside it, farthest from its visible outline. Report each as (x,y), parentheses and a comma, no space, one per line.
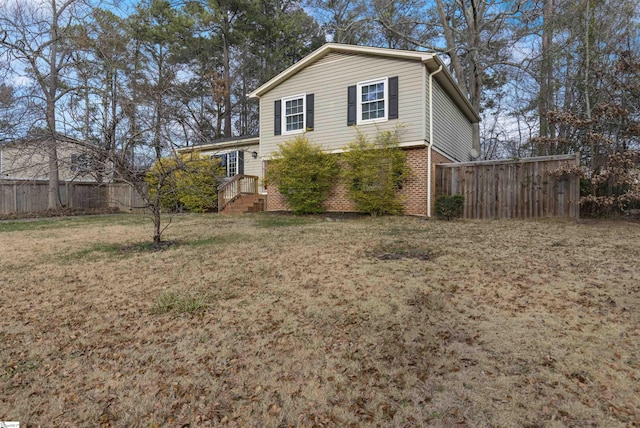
(431,61)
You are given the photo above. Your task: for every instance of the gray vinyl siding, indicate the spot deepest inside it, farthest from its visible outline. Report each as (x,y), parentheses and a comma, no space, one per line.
(452,131)
(328,81)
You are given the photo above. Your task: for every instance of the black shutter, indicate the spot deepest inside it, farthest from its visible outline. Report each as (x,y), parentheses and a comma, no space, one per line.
(393,97)
(351,105)
(240,158)
(277,121)
(309,108)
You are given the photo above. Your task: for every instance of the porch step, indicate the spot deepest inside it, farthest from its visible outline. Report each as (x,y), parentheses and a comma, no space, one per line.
(246,203)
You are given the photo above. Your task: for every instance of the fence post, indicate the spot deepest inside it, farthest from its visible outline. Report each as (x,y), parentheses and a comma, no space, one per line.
(15,197)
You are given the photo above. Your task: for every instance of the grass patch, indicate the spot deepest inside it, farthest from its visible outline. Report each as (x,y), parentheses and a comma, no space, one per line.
(122,249)
(229,238)
(402,250)
(178,302)
(71,222)
(244,325)
(269,221)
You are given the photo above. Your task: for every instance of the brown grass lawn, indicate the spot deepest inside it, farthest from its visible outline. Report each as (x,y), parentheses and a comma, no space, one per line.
(281,321)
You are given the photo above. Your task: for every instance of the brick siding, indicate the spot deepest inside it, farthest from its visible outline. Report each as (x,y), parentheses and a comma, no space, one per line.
(414,190)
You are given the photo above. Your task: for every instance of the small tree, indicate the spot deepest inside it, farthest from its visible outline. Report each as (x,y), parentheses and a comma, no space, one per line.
(304,175)
(374,172)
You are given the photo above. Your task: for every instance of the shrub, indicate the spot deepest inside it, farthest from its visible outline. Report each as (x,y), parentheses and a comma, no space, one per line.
(188,182)
(374,172)
(304,175)
(449,207)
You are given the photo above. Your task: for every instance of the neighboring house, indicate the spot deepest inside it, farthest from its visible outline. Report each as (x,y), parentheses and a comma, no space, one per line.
(339,90)
(28,159)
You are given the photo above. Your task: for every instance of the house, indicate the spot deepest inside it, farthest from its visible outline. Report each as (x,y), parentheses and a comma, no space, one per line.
(239,155)
(28,159)
(340,90)
(243,169)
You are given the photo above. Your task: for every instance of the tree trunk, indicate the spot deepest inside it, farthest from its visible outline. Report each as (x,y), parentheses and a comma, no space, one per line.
(473,90)
(227,88)
(53,199)
(547,88)
(157,233)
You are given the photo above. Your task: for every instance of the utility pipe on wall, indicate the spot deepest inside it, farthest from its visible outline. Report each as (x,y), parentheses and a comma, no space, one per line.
(429,172)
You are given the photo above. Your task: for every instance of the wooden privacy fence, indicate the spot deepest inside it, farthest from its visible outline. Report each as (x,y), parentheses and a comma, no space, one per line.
(517,188)
(31,196)
(124,197)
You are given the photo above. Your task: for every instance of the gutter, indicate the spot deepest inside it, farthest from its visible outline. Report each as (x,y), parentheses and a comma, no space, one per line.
(429,172)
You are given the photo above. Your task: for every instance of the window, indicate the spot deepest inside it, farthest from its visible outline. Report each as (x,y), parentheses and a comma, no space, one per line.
(81,162)
(232,162)
(373,97)
(372,101)
(293,114)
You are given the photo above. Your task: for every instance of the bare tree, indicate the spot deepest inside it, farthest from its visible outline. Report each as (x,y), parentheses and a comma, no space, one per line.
(34,37)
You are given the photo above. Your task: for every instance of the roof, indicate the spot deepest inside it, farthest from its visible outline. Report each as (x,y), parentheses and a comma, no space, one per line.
(41,138)
(431,61)
(223,143)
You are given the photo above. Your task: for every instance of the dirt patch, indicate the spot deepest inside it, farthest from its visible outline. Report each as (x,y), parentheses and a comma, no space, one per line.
(297,323)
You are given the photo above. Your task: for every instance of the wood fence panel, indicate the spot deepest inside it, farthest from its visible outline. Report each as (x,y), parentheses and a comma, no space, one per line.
(86,195)
(125,198)
(524,188)
(7,199)
(32,196)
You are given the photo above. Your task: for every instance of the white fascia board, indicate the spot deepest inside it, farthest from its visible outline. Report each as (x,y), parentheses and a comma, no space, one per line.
(224,145)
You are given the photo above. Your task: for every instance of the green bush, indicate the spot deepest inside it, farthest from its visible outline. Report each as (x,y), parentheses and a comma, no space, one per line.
(188,182)
(304,175)
(450,207)
(374,172)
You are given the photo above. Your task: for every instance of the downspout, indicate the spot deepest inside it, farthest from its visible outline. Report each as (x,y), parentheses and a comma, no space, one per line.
(429,172)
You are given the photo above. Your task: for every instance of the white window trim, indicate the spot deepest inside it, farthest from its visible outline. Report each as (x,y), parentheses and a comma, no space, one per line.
(359,119)
(283,116)
(227,166)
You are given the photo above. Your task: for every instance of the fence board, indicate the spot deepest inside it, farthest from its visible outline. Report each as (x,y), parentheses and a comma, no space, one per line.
(125,198)
(523,188)
(32,196)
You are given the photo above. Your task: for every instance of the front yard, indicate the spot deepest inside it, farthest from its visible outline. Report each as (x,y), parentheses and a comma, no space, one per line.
(286,321)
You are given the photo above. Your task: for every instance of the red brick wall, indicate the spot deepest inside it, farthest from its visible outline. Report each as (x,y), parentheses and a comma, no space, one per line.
(414,189)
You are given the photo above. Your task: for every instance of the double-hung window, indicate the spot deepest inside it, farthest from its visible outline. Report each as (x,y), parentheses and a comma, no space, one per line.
(372,101)
(293,114)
